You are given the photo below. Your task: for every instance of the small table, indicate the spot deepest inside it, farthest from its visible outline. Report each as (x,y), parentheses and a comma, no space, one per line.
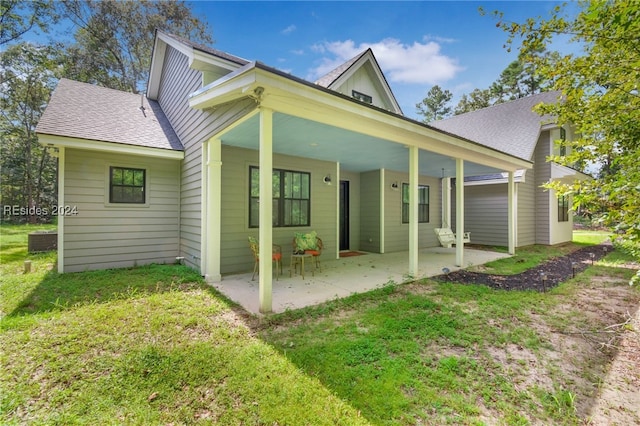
(299,259)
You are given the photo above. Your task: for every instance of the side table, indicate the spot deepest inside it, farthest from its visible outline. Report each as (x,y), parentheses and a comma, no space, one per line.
(299,259)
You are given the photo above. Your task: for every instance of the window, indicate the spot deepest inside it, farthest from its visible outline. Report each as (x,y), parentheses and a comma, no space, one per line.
(563,208)
(362,97)
(423,203)
(126,185)
(291,198)
(563,138)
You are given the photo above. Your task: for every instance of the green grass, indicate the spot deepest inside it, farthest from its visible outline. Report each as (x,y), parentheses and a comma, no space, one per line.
(154,345)
(149,345)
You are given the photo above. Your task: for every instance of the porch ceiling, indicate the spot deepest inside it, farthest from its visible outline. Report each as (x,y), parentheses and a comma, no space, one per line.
(354,151)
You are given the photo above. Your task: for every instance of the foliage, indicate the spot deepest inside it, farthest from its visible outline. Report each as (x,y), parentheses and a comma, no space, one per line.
(18,17)
(114,39)
(601,99)
(28,171)
(434,106)
(477,99)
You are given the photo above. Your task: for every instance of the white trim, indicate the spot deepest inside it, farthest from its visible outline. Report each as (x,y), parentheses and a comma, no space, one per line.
(61,172)
(213,211)
(511,214)
(338,186)
(116,148)
(204,155)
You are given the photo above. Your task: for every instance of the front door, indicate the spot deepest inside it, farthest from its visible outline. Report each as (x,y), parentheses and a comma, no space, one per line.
(344,215)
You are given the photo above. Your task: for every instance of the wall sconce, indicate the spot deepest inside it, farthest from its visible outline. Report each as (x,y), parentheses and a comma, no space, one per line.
(327,180)
(394,186)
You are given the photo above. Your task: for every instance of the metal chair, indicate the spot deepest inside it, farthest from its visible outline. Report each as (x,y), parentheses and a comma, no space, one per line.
(276,256)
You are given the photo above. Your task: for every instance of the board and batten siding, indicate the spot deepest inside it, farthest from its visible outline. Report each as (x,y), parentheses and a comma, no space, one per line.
(397,233)
(104,235)
(235,253)
(361,81)
(193,127)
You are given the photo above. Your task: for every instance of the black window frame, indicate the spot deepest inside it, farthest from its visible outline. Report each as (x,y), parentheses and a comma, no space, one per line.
(113,186)
(362,97)
(284,199)
(563,208)
(423,208)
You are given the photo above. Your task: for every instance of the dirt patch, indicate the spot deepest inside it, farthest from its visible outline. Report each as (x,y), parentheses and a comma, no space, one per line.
(555,271)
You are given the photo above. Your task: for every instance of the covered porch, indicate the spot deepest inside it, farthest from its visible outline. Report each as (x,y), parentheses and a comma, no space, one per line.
(298,120)
(345,276)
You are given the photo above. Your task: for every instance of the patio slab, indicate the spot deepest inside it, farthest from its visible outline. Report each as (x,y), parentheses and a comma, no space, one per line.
(345,276)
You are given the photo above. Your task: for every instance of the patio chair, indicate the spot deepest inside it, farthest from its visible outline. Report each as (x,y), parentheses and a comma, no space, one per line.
(276,256)
(309,244)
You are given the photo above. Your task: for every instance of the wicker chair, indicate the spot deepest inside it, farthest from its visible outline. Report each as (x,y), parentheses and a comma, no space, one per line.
(276,256)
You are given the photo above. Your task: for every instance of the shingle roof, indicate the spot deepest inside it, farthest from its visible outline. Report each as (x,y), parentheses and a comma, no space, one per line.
(511,127)
(86,111)
(333,75)
(201,47)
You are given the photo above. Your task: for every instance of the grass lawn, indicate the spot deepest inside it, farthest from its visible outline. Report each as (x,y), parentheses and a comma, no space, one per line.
(154,345)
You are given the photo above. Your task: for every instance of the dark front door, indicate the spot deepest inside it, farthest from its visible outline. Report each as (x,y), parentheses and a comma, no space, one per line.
(344,215)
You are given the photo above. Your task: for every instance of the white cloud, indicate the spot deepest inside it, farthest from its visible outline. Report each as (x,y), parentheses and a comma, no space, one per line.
(291,28)
(417,63)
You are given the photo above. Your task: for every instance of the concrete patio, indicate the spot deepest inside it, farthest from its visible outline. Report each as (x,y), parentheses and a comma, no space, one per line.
(345,276)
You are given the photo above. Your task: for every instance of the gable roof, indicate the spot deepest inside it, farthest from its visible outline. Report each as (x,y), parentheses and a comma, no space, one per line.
(336,77)
(511,127)
(90,112)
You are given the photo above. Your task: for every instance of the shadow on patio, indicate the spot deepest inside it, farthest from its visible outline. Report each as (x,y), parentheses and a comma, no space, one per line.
(345,276)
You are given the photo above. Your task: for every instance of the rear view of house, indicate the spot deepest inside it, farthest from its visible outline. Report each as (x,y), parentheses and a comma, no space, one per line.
(222,148)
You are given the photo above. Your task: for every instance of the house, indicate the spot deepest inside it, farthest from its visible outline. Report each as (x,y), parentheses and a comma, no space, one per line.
(542,217)
(222,148)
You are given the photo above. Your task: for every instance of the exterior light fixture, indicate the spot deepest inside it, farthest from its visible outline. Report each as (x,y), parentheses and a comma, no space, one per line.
(327,180)
(394,186)
(574,266)
(592,256)
(543,278)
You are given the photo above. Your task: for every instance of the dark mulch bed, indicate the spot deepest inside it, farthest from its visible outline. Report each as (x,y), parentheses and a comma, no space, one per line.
(556,270)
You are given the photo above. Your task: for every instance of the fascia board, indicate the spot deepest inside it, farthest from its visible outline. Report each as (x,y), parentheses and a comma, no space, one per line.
(563,173)
(111,147)
(155,70)
(235,85)
(203,61)
(519,177)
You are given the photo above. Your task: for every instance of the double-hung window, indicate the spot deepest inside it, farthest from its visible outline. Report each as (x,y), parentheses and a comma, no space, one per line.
(423,203)
(291,198)
(563,208)
(127,185)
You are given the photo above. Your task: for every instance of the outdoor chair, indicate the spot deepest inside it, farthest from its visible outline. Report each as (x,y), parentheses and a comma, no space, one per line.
(447,238)
(309,244)
(276,256)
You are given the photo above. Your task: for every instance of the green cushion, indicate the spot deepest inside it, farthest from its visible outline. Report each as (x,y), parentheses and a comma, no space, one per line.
(307,241)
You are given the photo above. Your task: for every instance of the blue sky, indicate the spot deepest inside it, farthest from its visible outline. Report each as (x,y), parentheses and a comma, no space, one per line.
(417,43)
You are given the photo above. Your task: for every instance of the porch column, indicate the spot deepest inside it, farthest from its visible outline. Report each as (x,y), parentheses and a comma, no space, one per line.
(413,210)
(212,211)
(446,202)
(266,209)
(61,167)
(381,229)
(511,211)
(338,186)
(459,212)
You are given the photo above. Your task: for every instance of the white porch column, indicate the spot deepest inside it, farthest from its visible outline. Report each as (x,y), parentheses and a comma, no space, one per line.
(446,202)
(382,228)
(511,211)
(413,210)
(212,210)
(266,209)
(61,167)
(459,212)
(337,189)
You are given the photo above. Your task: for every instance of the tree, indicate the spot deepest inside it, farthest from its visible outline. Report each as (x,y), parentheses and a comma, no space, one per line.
(18,17)
(435,105)
(601,96)
(475,100)
(28,172)
(114,39)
